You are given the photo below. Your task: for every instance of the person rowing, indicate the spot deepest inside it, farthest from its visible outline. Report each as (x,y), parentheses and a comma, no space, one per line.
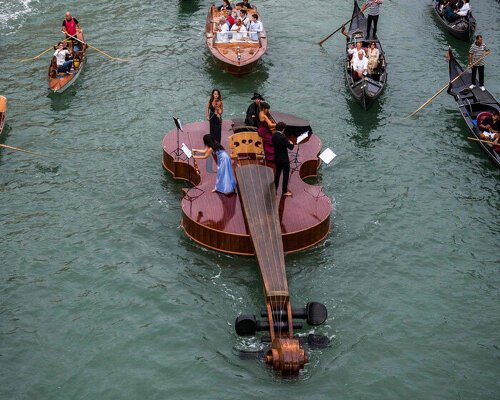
(71,26)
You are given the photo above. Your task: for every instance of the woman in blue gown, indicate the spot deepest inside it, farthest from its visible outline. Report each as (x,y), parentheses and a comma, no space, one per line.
(225,182)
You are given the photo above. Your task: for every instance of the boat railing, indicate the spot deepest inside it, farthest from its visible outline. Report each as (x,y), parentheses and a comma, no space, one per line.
(237,37)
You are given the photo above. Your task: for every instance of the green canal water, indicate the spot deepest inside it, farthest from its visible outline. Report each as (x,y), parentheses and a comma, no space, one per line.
(103,296)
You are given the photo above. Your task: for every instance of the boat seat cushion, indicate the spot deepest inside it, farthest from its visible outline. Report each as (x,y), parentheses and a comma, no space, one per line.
(482,116)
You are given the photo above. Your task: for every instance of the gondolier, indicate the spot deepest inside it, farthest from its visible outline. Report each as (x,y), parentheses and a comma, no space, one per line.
(478,50)
(70,25)
(373,13)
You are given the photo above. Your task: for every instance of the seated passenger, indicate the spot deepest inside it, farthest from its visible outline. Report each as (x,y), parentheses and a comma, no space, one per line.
(239,27)
(490,127)
(225,6)
(449,14)
(464,10)
(255,26)
(354,51)
(360,66)
(222,30)
(373,57)
(245,19)
(60,55)
(232,18)
(244,4)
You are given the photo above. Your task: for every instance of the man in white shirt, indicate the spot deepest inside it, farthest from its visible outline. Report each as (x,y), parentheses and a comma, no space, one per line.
(255,26)
(360,66)
(244,18)
(222,34)
(354,51)
(60,55)
(464,10)
(240,28)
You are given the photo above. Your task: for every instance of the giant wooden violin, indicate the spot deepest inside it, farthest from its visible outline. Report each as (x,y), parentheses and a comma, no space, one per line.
(255,221)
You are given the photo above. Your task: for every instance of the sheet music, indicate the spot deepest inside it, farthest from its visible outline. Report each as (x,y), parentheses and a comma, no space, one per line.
(327,156)
(180,125)
(186,150)
(302,137)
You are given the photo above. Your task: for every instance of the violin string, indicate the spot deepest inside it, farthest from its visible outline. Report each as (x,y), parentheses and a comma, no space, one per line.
(271,276)
(279,300)
(282,303)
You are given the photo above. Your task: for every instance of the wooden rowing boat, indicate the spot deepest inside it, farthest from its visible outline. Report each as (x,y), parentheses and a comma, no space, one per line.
(59,81)
(474,104)
(366,90)
(3,112)
(462,28)
(236,53)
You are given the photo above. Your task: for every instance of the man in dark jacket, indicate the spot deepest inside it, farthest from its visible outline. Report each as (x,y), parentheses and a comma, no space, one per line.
(281,160)
(252,118)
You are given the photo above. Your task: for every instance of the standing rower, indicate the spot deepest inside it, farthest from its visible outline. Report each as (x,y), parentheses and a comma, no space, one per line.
(71,26)
(373,12)
(478,50)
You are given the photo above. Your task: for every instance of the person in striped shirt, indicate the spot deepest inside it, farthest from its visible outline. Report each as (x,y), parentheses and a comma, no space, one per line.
(478,50)
(373,12)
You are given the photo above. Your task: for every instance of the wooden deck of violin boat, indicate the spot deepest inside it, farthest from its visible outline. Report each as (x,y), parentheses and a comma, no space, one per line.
(471,103)
(462,28)
(60,81)
(236,57)
(3,112)
(217,221)
(366,90)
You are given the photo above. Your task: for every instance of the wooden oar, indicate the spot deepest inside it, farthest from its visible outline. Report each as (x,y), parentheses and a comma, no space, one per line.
(448,84)
(96,49)
(15,148)
(333,33)
(39,55)
(484,141)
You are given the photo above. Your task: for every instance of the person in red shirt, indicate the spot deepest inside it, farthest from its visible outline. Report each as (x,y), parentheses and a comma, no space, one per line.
(71,26)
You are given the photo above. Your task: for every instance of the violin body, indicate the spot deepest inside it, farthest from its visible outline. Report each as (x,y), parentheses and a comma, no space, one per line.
(256,221)
(217,221)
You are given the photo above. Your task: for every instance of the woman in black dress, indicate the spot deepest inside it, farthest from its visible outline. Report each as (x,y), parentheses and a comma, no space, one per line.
(215,107)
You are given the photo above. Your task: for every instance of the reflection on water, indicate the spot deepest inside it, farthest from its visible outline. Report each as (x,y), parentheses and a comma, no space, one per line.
(364,122)
(220,78)
(187,7)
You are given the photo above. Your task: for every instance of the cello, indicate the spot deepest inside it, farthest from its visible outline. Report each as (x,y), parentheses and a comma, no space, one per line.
(256,221)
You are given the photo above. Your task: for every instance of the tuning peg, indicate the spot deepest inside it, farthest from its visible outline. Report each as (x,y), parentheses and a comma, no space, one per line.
(245,325)
(315,313)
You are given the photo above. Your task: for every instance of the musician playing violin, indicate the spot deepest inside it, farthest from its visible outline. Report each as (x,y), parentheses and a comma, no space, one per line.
(266,127)
(225,182)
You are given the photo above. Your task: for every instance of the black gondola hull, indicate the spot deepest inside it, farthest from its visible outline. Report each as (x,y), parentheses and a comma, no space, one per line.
(471,103)
(462,29)
(365,91)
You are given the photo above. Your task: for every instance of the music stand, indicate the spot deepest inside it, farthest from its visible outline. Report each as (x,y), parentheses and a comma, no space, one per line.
(295,160)
(178,151)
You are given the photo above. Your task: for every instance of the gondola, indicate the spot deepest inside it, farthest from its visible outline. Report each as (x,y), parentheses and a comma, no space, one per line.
(474,104)
(236,53)
(59,81)
(3,112)
(366,90)
(462,28)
